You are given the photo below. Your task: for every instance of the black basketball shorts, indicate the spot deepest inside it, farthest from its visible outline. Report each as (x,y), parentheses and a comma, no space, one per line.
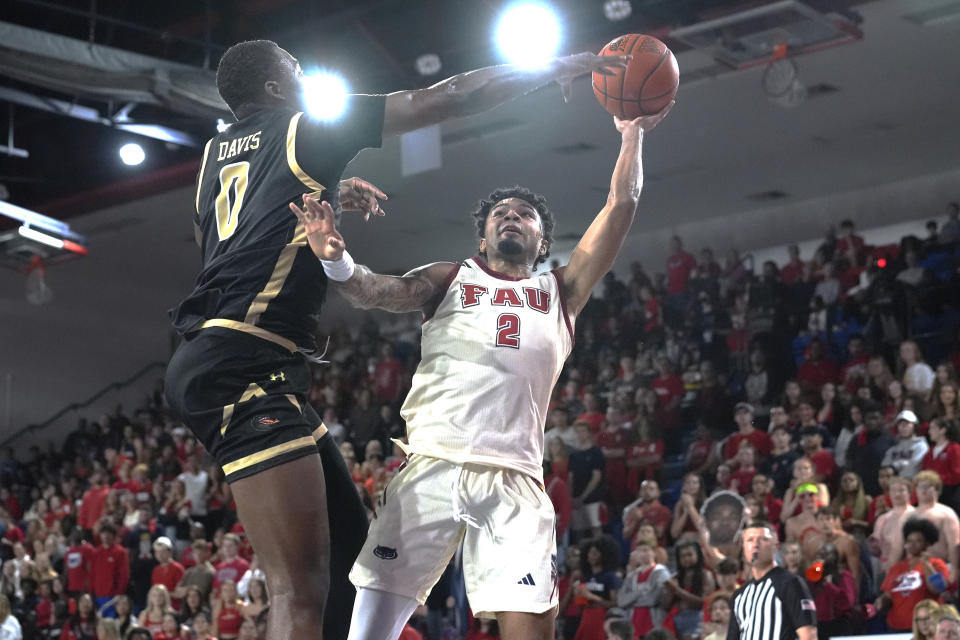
(244,398)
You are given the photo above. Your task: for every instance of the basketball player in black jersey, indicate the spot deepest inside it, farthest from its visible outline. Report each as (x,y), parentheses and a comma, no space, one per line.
(239,379)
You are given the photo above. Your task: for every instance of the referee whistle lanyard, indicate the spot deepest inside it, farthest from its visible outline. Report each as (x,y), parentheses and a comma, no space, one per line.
(459,511)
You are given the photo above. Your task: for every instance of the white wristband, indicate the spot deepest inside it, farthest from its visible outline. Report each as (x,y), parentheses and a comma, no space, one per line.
(339,270)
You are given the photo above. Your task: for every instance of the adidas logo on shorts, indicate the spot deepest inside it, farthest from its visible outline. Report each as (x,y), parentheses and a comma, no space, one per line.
(527,579)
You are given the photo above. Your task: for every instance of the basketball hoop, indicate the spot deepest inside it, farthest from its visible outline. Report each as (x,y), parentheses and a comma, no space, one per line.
(37,291)
(781,79)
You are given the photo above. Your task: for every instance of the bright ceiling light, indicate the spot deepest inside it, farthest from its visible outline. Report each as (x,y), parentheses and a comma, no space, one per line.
(617,9)
(132,154)
(221,125)
(528,34)
(428,64)
(42,238)
(325,95)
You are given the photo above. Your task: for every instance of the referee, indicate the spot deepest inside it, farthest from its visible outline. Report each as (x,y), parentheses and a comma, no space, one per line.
(775,604)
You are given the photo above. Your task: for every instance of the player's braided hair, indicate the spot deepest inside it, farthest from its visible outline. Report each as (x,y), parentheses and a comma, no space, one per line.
(243,70)
(535,200)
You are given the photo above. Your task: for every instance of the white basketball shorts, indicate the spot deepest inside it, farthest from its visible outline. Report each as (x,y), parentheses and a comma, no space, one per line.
(506,522)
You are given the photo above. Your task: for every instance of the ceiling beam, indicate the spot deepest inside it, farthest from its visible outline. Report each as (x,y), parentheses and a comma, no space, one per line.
(89,114)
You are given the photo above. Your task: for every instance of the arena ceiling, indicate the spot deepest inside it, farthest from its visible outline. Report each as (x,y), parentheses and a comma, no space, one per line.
(72,165)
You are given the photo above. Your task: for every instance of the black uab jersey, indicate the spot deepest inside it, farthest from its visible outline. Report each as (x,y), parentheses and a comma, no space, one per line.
(258,274)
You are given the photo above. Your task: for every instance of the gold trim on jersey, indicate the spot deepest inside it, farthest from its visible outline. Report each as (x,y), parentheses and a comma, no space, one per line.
(203,165)
(319,432)
(253,391)
(293,400)
(280,272)
(295,167)
(266,454)
(259,332)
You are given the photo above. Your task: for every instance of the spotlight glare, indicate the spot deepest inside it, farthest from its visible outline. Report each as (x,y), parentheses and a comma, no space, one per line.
(221,125)
(528,34)
(325,95)
(132,154)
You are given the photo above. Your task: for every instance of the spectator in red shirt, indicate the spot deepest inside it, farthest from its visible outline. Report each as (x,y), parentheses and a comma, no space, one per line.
(388,375)
(93,501)
(850,245)
(647,508)
(817,370)
(771,506)
(124,481)
(82,625)
(77,564)
(944,458)
(652,313)
(644,457)
(917,577)
(556,486)
(669,389)
(592,414)
(811,443)
(169,571)
(613,440)
(232,567)
(741,480)
(792,271)
(834,592)
(679,265)
(743,416)
(110,567)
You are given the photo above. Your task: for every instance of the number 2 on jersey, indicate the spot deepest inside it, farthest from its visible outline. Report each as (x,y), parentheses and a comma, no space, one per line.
(233,181)
(508,330)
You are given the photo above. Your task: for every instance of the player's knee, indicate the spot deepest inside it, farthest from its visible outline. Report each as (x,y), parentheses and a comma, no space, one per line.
(303,602)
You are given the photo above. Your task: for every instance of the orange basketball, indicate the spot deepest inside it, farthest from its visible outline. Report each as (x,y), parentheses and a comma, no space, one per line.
(646,86)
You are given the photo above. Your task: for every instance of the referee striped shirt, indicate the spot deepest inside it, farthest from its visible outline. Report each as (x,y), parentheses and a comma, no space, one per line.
(772,608)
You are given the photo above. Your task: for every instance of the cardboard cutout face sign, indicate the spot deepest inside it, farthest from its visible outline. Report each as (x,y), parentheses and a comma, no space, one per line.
(724,514)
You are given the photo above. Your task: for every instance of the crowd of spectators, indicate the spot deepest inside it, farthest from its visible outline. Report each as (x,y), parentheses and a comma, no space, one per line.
(823,391)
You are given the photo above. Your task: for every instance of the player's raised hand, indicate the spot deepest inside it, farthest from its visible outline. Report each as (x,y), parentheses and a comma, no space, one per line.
(359,195)
(318,221)
(578,64)
(645,123)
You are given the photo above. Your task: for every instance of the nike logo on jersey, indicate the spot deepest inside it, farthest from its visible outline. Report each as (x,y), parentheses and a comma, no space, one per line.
(527,580)
(536,299)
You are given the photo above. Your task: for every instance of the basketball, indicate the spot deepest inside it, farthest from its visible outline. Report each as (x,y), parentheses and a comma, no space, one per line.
(646,85)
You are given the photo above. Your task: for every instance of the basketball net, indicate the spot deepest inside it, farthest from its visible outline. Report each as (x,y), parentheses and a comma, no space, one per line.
(781,80)
(37,290)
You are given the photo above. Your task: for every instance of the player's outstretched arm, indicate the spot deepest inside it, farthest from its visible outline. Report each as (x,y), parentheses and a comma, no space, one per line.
(599,246)
(363,288)
(413,291)
(476,91)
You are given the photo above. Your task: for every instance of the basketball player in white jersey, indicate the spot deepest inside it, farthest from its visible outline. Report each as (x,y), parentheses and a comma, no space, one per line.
(495,337)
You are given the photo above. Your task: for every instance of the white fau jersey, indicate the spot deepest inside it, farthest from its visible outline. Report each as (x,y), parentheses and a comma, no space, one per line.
(491,355)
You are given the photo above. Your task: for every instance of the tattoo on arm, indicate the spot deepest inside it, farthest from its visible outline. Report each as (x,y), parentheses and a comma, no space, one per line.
(399,294)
